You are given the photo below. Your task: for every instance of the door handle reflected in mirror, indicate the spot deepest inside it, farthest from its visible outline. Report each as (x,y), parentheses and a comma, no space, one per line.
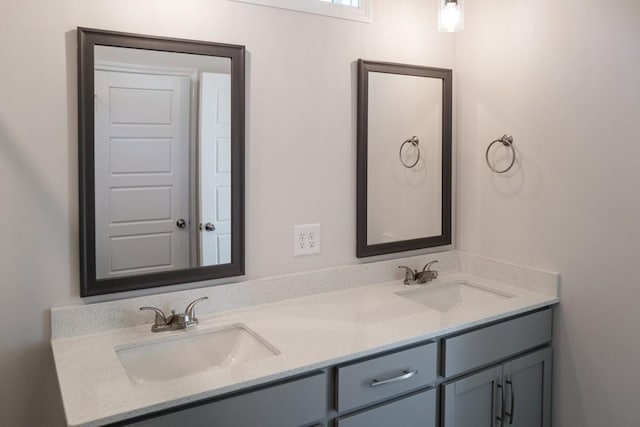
(209,227)
(181,223)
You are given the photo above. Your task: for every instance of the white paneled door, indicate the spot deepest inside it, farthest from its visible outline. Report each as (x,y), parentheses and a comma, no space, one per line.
(215,168)
(141,172)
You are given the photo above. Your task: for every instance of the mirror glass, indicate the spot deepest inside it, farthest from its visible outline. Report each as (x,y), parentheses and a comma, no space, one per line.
(162,161)
(404,151)
(162,144)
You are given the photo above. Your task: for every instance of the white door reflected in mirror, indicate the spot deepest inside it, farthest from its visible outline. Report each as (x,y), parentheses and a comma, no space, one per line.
(215,168)
(162,161)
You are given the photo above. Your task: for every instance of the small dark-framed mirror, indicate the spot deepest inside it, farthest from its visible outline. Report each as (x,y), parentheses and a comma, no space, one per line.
(404,157)
(161,160)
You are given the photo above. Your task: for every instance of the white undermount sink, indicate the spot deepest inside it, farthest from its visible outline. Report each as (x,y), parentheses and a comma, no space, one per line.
(447,297)
(193,352)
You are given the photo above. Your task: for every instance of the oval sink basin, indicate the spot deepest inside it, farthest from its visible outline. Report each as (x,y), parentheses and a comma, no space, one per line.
(184,355)
(450,296)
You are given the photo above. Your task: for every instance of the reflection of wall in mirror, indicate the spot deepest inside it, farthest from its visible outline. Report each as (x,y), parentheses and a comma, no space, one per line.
(152,58)
(404,203)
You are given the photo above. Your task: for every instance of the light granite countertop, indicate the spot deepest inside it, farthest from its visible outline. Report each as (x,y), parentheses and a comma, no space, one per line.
(310,332)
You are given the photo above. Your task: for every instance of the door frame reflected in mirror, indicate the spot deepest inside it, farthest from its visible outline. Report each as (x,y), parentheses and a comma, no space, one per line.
(89,38)
(363,248)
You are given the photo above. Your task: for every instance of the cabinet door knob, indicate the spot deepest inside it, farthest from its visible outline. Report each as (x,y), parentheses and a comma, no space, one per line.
(181,223)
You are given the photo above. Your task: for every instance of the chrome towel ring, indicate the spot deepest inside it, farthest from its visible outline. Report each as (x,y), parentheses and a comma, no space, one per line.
(507,141)
(414,141)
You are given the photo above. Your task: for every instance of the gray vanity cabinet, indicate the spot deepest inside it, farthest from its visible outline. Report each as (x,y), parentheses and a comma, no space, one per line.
(469,351)
(472,401)
(297,403)
(515,393)
(499,375)
(528,390)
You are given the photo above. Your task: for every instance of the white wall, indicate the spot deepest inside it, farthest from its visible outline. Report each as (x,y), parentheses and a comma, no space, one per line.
(404,203)
(563,78)
(300,147)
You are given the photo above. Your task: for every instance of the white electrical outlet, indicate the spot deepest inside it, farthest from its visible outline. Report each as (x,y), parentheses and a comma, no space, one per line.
(306,239)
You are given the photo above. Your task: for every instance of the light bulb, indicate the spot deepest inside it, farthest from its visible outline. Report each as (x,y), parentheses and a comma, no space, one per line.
(451,15)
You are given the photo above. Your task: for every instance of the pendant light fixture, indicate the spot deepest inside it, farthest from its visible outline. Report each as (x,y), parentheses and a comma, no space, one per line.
(451,16)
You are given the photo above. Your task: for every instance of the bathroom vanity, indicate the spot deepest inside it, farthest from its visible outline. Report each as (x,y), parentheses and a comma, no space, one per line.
(468,349)
(495,375)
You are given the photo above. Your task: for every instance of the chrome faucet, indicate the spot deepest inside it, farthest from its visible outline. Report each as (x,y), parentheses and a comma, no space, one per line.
(175,321)
(415,277)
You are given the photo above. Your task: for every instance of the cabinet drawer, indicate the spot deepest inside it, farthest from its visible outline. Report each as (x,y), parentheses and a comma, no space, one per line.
(481,347)
(292,404)
(377,379)
(418,410)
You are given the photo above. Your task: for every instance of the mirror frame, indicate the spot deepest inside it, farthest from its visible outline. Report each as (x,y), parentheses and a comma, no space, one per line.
(88,38)
(363,248)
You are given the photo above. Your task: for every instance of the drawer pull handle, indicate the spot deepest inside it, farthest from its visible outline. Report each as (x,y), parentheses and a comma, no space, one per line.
(405,376)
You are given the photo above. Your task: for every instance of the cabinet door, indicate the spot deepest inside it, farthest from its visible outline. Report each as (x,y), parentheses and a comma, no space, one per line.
(302,402)
(474,401)
(418,410)
(528,390)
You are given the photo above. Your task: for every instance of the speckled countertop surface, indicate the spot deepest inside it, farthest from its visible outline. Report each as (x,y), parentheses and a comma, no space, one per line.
(310,332)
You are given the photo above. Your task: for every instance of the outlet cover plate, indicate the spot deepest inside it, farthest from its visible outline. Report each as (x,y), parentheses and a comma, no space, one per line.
(306,239)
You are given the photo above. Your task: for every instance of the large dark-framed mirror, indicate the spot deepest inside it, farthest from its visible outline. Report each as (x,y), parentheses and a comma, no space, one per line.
(161,160)
(404,157)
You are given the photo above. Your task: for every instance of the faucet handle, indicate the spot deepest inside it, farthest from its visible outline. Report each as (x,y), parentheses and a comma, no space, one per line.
(160,319)
(409,275)
(427,266)
(190,311)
